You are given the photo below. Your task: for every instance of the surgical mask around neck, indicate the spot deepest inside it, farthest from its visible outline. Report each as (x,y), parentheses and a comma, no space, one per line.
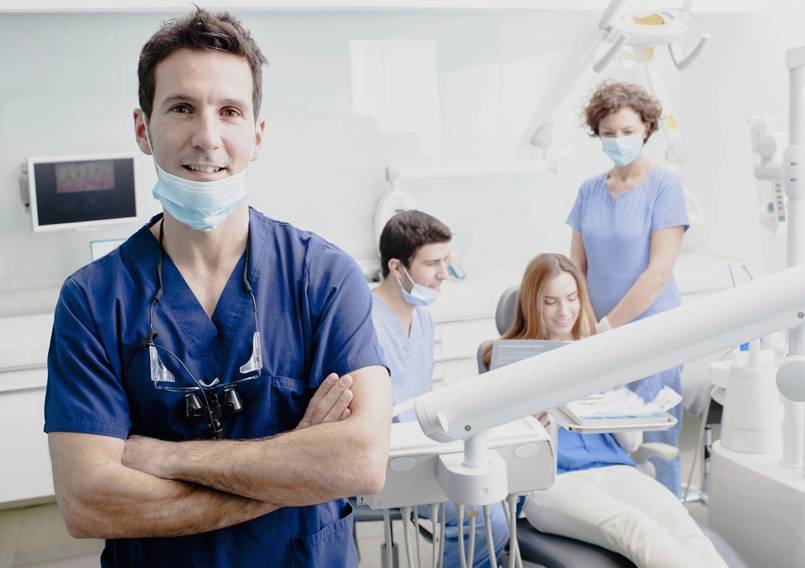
(623,150)
(419,295)
(201,205)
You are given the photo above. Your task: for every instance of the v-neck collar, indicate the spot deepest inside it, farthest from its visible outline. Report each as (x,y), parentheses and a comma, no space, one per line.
(234,306)
(399,326)
(616,198)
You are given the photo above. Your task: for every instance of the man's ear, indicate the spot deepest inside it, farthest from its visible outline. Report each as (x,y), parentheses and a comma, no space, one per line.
(140,135)
(394,266)
(259,131)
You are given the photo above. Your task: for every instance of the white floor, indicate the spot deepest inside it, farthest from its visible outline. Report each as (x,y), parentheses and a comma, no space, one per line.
(370,535)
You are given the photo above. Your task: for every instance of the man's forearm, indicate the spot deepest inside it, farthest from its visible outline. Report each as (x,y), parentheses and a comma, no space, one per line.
(124,503)
(300,467)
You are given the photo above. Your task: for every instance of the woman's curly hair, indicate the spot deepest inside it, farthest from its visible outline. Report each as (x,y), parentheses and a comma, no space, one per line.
(612,96)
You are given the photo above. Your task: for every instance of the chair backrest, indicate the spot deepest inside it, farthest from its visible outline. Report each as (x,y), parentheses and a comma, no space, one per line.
(504,313)
(504,316)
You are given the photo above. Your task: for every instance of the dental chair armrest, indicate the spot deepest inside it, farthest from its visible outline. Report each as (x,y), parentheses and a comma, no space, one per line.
(648,450)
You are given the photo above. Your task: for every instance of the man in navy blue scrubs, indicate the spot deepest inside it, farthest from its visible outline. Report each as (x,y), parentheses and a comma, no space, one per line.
(215,386)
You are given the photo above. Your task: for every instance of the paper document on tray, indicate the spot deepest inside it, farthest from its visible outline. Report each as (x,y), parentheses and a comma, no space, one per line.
(622,405)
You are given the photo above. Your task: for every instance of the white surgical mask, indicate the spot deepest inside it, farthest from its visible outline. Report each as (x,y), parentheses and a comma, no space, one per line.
(623,150)
(419,295)
(201,205)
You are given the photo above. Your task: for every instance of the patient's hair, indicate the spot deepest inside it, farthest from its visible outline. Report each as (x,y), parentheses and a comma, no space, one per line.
(199,30)
(612,96)
(405,233)
(528,321)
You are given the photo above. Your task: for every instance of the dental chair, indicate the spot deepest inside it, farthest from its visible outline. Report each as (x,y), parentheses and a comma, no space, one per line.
(554,551)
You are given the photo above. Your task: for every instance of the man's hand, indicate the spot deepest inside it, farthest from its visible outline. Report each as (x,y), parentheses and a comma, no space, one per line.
(330,403)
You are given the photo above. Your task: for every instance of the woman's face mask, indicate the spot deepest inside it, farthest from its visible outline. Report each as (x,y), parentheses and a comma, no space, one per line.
(623,150)
(622,135)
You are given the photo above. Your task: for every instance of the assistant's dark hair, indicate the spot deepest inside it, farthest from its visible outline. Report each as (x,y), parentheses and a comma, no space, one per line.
(199,30)
(405,233)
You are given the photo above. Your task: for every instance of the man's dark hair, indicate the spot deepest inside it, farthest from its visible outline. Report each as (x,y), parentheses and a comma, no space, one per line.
(198,30)
(405,233)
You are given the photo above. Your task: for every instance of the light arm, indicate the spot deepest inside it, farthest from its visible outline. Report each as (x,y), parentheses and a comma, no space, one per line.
(554,109)
(100,498)
(611,359)
(665,245)
(301,467)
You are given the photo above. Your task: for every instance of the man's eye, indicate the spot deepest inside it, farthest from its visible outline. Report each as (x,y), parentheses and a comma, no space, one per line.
(181,109)
(231,112)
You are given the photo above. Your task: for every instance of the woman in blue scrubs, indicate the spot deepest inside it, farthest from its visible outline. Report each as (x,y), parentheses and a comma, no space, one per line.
(628,224)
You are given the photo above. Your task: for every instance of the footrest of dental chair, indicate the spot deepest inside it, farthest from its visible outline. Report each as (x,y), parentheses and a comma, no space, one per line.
(555,551)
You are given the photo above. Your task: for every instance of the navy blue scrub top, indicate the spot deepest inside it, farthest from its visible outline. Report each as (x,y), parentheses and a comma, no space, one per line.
(314,309)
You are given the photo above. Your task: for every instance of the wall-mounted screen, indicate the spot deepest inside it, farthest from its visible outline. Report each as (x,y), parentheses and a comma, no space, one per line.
(72,192)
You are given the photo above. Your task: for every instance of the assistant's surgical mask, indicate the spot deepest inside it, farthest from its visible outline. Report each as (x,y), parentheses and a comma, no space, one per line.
(201,205)
(623,150)
(419,295)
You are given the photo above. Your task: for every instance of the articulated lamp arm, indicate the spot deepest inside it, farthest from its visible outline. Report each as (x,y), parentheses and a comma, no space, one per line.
(616,357)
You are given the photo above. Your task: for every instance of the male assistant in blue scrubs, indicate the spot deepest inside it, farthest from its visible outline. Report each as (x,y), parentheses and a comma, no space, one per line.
(414,249)
(215,385)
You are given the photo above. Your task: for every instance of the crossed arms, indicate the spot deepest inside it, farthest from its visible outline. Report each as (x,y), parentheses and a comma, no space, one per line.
(143,487)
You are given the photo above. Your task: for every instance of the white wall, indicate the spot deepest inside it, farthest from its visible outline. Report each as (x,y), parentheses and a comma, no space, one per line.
(347,93)
(741,73)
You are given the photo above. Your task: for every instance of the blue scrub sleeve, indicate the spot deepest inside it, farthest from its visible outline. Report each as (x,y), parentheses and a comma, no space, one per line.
(574,219)
(341,310)
(669,208)
(83,394)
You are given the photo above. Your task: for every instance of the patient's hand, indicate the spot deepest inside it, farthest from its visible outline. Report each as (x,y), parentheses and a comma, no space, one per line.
(330,403)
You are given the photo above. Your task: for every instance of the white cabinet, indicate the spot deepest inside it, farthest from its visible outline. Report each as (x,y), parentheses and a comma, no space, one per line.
(456,343)
(25,472)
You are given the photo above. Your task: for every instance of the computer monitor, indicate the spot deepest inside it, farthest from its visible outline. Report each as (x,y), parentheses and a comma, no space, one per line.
(508,351)
(74,192)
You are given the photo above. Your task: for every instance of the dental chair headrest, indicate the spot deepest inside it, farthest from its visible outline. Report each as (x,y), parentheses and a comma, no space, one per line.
(504,314)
